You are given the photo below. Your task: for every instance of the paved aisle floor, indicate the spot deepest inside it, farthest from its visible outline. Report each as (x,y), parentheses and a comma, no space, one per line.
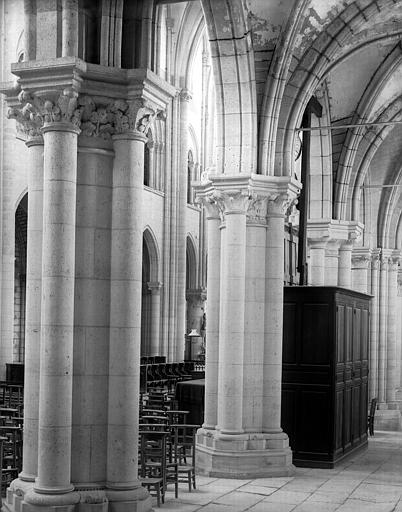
(368,482)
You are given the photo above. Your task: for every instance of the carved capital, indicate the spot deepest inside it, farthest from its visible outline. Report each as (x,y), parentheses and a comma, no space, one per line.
(210,204)
(97,119)
(257,209)
(35,111)
(361,260)
(133,116)
(232,201)
(279,204)
(154,287)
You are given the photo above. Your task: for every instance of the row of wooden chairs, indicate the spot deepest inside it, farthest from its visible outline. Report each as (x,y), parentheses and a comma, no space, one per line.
(166,444)
(167,456)
(163,375)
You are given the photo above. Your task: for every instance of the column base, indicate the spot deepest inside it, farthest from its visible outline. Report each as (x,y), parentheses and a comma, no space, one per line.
(244,456)
(388,419)
(22,498)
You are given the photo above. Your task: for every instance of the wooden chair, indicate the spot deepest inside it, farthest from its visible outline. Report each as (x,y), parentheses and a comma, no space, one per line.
(184,441)
(370,419)
(151,442)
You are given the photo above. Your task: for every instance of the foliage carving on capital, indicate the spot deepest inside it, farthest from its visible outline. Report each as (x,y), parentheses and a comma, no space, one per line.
(211,205)
(280,203)
(134,115)
(96,120)
(232,201)
(257,209)
(34,111)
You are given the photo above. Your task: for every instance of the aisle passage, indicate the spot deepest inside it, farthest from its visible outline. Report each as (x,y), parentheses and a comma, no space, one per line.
(368,482)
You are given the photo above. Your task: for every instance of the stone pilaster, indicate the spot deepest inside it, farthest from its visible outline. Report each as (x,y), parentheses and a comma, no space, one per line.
(391,329)
(382,327)
(155,288)
(373,362)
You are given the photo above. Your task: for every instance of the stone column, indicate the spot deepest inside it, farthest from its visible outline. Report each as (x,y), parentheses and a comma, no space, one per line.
(33,309)
(212,314)
(185,98)
(382,329)
(373,362)
(399,332)
(152,174)
(345,264)
(58,267)
(331,263)
(247,441)
(155,288)
(317,262)
(91,312)
(272,376)
(391,384)
(254,336)
(125,319)
(360,266)
(231,325)
(69,15)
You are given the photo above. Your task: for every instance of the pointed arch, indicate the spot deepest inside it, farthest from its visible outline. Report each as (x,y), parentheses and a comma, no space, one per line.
(153,252)
(191,263)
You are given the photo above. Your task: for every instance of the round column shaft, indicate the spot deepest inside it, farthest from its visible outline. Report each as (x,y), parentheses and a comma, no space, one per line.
(125,312)
(391,330)
(58,267)
(382,328)
(212,327)
(272,377)
(33,310)
(373,362)
(231,327)
(253,362)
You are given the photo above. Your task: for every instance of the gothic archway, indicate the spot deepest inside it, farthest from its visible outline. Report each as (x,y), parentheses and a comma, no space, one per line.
(21,220)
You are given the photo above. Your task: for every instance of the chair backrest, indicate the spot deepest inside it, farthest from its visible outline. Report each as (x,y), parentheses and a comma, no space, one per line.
(184,437)
(153,448)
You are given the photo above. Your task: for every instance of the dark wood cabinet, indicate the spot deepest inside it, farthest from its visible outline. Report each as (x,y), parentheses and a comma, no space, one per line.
(325,373)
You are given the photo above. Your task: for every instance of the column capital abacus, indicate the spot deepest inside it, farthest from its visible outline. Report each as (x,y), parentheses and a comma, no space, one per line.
(346,245)
(318,243)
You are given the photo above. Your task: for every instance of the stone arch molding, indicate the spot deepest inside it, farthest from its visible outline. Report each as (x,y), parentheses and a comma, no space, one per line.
(312,69)
(355,137)
(233,66)
(153,251)
(95,116)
